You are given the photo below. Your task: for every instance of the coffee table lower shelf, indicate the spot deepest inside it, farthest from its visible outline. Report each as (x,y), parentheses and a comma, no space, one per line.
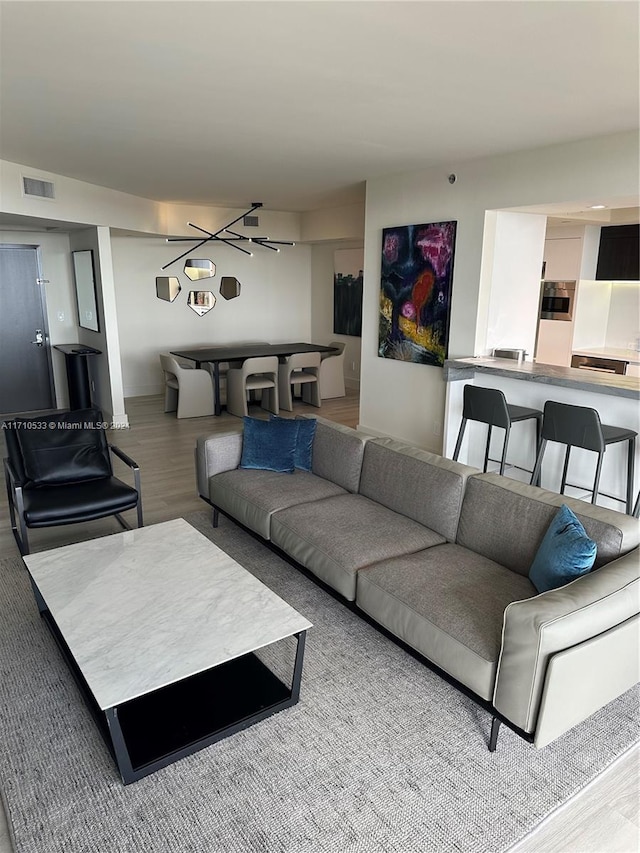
(156,729)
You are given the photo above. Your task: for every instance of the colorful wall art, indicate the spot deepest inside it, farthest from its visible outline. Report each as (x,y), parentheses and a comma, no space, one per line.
(347,291)
(415,292)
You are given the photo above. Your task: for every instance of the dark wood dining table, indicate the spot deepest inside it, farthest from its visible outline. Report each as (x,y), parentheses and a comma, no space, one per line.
(239,352)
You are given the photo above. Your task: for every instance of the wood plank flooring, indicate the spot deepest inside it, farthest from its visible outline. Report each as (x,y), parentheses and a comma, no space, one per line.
(604,818)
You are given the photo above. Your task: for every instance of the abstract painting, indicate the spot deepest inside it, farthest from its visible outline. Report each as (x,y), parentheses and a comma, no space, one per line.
(347,291)
(415,292)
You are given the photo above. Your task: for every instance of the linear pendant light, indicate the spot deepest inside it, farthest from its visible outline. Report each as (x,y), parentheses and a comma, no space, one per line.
(232,238)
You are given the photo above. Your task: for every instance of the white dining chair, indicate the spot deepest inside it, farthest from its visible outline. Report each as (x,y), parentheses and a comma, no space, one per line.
(332,372)
(188,391)
(252,375)
(302,368)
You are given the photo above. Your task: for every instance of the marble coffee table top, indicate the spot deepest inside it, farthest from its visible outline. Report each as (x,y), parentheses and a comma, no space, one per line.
(145,608)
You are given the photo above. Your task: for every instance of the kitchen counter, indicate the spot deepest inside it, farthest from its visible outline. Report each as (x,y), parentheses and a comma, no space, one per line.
(630,355)
(613,396)
(544,374)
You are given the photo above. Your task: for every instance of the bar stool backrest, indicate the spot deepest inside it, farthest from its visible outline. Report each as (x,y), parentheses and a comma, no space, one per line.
(578,426)
(487,405)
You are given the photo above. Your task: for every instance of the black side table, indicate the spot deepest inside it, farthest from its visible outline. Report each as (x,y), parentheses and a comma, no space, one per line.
(75,356)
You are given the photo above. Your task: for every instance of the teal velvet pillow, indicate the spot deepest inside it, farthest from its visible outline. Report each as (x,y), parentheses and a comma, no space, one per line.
(269,445)
(565,553)
(304,441)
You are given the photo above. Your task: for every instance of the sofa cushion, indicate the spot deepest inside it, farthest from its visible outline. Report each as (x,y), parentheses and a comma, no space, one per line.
(251,496)
(337,454)
(335,537)
(448,604)
(565,553)
(495,506)
(424,487)
(269,445)
(304,440)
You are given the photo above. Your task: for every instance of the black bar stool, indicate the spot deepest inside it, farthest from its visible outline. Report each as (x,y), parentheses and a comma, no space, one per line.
(489,406)
(579,426)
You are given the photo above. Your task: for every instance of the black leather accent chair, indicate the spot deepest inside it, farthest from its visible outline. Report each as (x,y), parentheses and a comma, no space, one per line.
(58,470)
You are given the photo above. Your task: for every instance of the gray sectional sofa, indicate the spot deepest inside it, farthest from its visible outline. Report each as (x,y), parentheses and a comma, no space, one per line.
(438,554)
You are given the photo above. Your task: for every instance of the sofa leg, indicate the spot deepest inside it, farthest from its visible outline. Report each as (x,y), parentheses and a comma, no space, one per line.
(216,515)
(493,738)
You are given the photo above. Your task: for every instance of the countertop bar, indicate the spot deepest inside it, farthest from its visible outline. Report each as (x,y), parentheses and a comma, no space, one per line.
(545,374)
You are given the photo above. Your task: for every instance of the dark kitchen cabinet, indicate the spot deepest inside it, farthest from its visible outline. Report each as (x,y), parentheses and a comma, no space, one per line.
(619,255)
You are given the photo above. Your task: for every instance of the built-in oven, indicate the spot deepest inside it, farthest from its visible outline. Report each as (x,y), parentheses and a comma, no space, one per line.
(558,298)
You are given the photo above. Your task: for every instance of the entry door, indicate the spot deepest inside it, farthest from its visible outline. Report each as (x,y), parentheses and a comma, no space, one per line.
(26,378)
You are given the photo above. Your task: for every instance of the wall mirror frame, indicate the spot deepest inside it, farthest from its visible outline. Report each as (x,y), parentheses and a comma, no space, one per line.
(86,294)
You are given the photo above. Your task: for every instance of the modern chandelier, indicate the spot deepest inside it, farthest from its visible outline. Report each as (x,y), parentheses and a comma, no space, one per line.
(232,238)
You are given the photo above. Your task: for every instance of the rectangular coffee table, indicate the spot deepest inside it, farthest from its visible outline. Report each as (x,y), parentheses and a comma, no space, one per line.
(160,628)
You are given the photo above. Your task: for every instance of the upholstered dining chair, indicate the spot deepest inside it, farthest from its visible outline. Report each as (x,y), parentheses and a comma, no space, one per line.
(188,391)
(301,368)
(58,470)
(260,373)
(332,372)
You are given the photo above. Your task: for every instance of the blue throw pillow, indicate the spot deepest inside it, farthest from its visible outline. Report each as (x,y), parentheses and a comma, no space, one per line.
(269,445)
(565,553)
(304,441)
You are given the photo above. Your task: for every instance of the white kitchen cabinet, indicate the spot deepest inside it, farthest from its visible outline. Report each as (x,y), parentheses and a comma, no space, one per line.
(633,370)
(555,338)
(563,257)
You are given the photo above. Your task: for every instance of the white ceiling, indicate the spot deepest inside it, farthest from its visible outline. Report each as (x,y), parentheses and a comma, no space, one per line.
(296,104)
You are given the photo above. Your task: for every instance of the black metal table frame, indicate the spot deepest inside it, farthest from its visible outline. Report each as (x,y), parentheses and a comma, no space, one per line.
(239,352)
(119,743)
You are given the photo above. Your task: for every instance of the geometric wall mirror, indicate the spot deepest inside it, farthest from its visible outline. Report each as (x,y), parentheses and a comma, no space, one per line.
(167,287)
(198,268)
(229,287)
(201,301)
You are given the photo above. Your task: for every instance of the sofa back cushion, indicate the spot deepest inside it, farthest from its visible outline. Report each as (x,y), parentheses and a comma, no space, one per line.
(420,485)
(506,520)
(337,454)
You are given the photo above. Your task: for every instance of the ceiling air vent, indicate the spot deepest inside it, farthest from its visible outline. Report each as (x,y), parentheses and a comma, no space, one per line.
(38,188)
(251,221)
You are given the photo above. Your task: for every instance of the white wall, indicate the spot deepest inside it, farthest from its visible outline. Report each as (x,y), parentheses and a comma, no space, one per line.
(515,281)
(623,322)
(405,399)
(274,304)
(322,269)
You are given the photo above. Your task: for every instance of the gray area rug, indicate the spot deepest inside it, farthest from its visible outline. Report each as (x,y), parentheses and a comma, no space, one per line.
(379,756)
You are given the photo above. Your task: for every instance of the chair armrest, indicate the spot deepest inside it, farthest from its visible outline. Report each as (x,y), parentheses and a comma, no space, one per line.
(122,455)
(536,628)
(215,454)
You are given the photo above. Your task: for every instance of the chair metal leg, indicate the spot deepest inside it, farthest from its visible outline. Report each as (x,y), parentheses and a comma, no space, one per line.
(486,452)
(504,449)
(630,471)
(463,425)
(596,482)
(537,468)
(565,468)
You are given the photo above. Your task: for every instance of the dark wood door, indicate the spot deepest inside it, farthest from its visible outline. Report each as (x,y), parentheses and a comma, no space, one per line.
(26,378)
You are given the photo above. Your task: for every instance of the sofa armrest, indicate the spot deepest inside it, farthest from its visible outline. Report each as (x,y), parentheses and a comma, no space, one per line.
(214,454)
(537,628)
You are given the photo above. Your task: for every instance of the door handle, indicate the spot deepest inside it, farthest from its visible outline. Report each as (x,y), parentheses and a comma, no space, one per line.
(39,341)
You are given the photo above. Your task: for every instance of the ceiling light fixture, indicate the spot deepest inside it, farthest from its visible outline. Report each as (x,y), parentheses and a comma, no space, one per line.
(597,207)
(232,239)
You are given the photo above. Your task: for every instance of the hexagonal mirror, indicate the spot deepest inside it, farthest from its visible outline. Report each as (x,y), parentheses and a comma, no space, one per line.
(229,287)
(197,268)
(201,301)
(167,287)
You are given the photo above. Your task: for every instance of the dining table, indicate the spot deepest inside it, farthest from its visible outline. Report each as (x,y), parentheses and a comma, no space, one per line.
(239,352)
